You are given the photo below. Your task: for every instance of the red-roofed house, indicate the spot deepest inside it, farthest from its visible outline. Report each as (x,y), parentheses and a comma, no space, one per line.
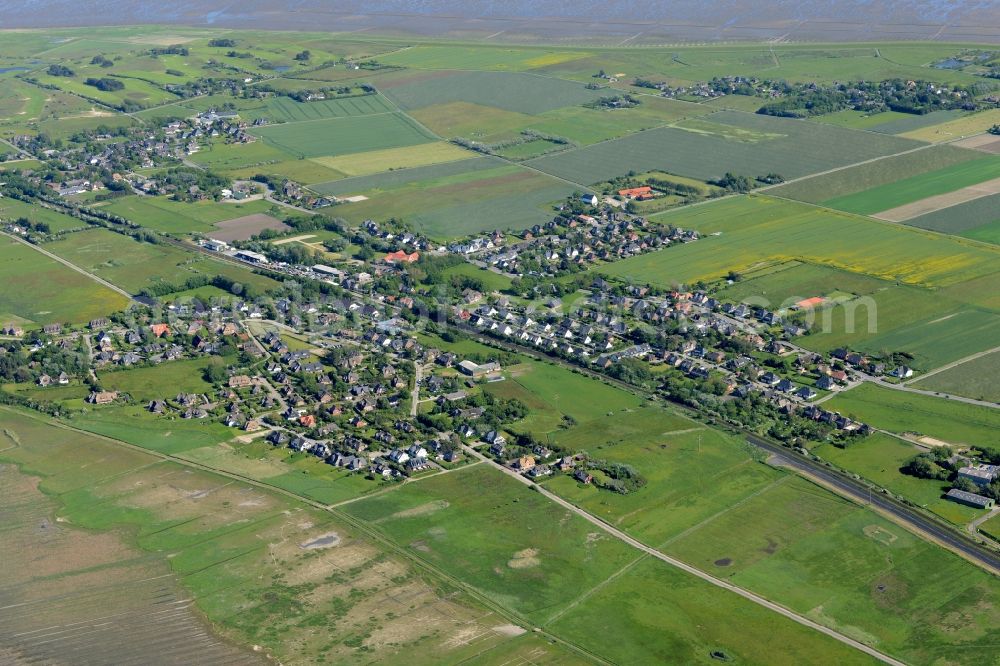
(160,330)
(640,193)
(307,420)
(401,257)
(810,302)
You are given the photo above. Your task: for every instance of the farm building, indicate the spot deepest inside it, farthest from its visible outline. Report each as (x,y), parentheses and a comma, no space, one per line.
(401,257)
(640,193)
(969,499)
(476,370)
(981,475)
(102,397)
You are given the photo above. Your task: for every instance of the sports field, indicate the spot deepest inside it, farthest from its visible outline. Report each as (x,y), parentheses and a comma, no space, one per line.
(726,141)
(38,290)
(341,136)
(758,231)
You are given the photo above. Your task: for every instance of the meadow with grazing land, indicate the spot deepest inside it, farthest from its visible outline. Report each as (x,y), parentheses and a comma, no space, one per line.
(38,290)
(246,555)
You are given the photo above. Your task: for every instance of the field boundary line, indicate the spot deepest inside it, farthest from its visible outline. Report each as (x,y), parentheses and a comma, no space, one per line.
(592,591)
(694,528)
(949,366)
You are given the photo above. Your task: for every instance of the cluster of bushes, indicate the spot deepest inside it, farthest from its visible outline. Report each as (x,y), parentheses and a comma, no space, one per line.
(614,102)
(105,84)
(60,70)
(617,477)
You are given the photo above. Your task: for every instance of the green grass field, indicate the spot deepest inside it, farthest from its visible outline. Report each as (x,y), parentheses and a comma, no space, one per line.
(938,340)
(552,392)
(158,382)
(453,199)
(973,379)
(177,217)
(879,458)
(975,123)
(919,187)
(341,136)
(692,472)
(478,524)
(899,412)
(229,156)
(873,174)
(286,109)
(759,231)
(857,322)
(133,266)
(975,219)
(530,554)
(392,159)
(846,567)
(654,614)
(238,551)
(521,93)
(793,281)
(706,152)
(38,290)
(12,209)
